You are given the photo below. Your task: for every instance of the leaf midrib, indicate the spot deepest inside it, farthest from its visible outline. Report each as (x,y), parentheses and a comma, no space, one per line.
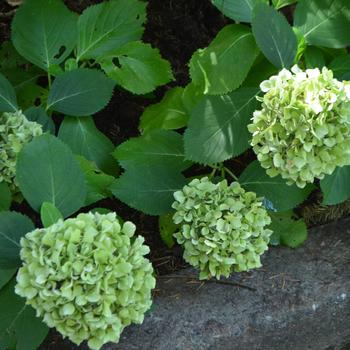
(325,20)
(228,121)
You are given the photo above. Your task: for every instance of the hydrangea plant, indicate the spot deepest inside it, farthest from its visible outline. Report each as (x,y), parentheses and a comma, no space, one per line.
(87,276)
(302,131)
(15,131)
(223,227)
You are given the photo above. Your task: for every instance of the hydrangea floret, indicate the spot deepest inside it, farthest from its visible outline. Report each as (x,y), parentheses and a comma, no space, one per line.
(87,277)
(15,131)
(302,131)
(222,227)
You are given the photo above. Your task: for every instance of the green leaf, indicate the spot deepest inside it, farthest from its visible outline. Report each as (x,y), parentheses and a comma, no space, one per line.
(5,196)
(38,115)
(18,321)
(9,57)
(83,138)
(302,44)
(225,63)
(48,172)
(44,32)
(148,189)
(137,67)
(238,10)
(97,182)
(104,211)
(13,226)
(274,36)
(286,230)
(158,147)
(8,100)
(167,228)
(282,196)
(262,70)
(108,26)
(190,98)
(278,4)
(24,81)
(80,92)
(336,187)
(324,22)
(341,67)
(314,57)
(49,214)
(217,129)
(168,114)
(5,276)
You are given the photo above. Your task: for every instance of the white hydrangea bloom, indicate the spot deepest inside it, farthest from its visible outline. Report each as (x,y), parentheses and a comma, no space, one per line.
(87,277)
(15,131)
(223,227)
(302,131)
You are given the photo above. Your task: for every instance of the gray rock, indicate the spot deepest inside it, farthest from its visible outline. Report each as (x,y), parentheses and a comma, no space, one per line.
(299,300)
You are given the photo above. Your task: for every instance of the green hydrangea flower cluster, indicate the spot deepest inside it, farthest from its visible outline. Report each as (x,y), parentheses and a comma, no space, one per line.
(302,131)
(222,227)
(87,277)
(15,131)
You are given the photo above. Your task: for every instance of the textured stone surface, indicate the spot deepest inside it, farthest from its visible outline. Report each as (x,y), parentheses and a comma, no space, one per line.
(300,301)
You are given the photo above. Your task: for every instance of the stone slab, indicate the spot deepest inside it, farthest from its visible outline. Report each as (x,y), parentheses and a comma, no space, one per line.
(299,300)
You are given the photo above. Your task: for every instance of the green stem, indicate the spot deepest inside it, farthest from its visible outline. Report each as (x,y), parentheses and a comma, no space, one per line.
(228,171)
(212,174)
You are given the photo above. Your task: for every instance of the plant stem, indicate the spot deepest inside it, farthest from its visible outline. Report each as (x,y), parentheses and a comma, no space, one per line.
(231,173)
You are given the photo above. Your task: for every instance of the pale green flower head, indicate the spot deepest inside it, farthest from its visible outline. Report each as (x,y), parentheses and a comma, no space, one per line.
(87,277)
(15,131)
(222,227)
(302,131)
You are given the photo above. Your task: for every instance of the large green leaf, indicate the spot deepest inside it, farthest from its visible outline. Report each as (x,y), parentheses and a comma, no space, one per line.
(238,10)
(18,322)
(8,100)
(13,226)
(282,196)
(217,129)
(44,32)
(80,92)
(274,36)
(5,276)
(324,22)
(148,189)
(48,172)
(287,230)
(336,187)
(137,67)
(97,182)
(158,147)
(224,64)
(5,196)
(169,113)
(108,26)
(341,67)
(82,136)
